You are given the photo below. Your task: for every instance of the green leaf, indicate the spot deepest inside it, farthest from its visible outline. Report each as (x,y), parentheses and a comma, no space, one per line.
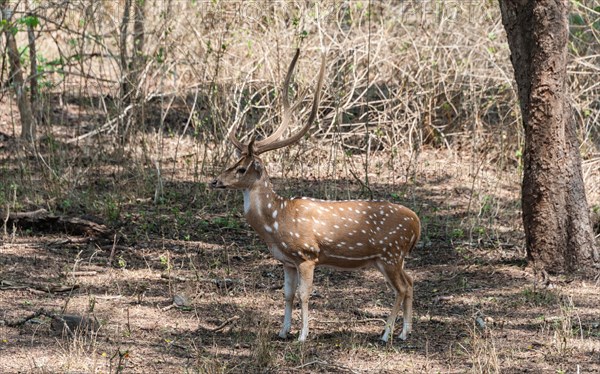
(30,21)
(577,19)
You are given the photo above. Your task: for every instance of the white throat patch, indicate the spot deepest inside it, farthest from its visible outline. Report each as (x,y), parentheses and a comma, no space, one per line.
(246,201)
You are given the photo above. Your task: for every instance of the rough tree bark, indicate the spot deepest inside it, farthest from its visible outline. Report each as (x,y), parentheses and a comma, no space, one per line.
(556,216)
(28,124)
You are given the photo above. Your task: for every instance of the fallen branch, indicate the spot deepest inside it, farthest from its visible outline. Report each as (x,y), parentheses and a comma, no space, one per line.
(81,273)
(42,220)
(37,288)
(22,321)
(60,322)
(227,322)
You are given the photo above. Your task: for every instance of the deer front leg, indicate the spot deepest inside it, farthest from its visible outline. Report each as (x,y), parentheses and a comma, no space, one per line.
(305,275)
(290,283)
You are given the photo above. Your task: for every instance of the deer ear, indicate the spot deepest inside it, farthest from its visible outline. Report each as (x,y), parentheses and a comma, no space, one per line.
(238,153)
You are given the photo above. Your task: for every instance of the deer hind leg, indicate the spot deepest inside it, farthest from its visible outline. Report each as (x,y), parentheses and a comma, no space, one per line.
(289,288)
(305,279)
(397,279)
(407,305)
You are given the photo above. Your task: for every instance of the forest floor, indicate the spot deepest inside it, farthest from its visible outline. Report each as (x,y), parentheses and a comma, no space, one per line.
(478,305)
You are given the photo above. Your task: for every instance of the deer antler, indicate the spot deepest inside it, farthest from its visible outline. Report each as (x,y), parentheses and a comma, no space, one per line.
(271,142)
(287,113)
(240,147)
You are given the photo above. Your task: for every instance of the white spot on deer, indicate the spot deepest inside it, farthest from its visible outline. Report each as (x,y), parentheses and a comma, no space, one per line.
(350,248)
(276,225)
(284,244)
(268,228)
(275,213)
(381,242)
(406,218)
(296,235)
(336,226)
(363,231)
(341,209)
(381,212)
(269,205)
(266,183)
(359,244)
(306,245)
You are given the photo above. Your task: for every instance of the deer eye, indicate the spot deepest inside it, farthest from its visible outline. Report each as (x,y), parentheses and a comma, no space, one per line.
(241,170)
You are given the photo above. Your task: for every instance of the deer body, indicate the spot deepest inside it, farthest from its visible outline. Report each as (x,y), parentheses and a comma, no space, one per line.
(340,234)
(304,233)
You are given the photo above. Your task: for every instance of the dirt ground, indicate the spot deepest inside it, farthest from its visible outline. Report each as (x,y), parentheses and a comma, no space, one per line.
(478,306)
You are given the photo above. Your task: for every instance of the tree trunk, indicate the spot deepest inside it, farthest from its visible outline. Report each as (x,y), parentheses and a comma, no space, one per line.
(556,216)
(28,125)
(137,63)
(123,30)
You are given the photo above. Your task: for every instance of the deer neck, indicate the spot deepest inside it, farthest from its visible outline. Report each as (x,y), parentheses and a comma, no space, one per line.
(260,201)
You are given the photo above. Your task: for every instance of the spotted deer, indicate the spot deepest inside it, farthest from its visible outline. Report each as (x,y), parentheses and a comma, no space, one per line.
(304,233)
